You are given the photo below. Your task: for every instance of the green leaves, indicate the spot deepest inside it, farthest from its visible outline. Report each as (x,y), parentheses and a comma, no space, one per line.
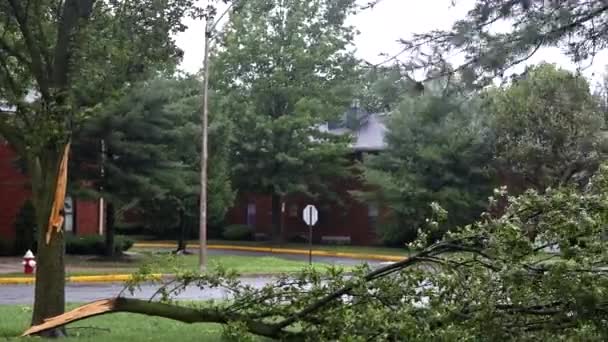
(577,26)
(151,153)
(284,69)
(437,152)
(547,127)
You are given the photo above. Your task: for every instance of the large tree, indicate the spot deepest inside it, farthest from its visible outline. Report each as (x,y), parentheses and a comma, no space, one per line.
(286,68)
(148,161)
(437,151)
(547,128)
(58,59)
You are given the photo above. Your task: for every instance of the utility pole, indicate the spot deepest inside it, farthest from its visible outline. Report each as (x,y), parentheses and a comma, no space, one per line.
(210,25)
(204,150)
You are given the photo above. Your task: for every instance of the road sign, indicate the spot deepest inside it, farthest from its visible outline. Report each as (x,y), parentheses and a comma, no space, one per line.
(310,215)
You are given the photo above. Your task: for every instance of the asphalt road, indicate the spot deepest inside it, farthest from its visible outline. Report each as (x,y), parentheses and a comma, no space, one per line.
(78,293)
(75,292)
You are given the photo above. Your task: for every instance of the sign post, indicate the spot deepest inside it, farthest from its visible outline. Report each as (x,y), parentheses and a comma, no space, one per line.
(310,216)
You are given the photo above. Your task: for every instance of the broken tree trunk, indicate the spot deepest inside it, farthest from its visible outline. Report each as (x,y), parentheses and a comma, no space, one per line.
(179,313)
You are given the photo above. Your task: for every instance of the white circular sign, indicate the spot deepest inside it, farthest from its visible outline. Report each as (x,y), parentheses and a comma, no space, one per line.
(310,215)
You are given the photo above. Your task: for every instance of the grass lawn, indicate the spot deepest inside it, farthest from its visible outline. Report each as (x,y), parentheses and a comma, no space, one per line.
(14,319)
(165,263)
(241,264)
(330,248)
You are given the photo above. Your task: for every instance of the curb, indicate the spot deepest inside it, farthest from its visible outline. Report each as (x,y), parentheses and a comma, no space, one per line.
(272,250)
(109,278)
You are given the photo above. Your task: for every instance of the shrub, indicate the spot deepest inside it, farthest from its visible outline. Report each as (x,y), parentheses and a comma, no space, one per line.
(7,248)
(237,232)
(95,244)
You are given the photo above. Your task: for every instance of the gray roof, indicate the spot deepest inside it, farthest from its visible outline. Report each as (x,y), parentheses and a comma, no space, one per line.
(368,136)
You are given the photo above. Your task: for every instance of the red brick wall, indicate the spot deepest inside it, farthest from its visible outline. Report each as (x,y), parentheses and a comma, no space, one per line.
(87,217)
(14,191)
(347,220)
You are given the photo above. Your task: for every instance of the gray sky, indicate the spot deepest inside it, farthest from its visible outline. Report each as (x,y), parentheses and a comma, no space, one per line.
(382,26)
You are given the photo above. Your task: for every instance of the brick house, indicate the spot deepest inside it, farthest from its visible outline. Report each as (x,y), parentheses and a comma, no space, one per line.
(353,222)
(83,217)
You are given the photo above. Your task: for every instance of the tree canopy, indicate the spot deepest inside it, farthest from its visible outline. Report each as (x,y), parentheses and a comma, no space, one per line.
(547,128)
(577,27)
(437,151)
(58,60)
(148,158)
(285,68)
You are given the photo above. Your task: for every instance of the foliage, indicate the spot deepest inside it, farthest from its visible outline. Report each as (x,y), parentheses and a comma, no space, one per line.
(485,281)
(149,155)
(437,151)
(58,61)
(161,214)
(578,27)
(237,232)
(282,69)
(95,245)
(383,88)
(547,128)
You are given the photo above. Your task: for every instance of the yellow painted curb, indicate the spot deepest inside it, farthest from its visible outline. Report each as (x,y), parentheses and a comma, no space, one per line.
(273,250)
(108,278)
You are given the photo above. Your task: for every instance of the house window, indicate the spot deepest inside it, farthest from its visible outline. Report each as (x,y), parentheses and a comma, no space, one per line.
(251,214)
(372,215)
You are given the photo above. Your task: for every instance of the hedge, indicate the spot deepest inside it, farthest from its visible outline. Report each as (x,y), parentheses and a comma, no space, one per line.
(95,244)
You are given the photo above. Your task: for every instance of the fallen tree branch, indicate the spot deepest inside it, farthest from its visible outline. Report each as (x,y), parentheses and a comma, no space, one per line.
(255,324)
(178,313)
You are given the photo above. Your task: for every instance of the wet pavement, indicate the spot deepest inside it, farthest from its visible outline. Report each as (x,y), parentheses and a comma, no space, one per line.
(86,292)
(79,293)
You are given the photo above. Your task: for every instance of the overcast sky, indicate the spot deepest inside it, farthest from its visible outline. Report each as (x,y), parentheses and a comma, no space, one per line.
(382,26)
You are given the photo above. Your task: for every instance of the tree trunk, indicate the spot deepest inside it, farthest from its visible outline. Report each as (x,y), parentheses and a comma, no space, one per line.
(181,242)
(50,268)
(277,227)
(109,245)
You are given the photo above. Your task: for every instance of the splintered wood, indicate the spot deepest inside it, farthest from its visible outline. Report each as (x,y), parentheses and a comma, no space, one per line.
(89,310)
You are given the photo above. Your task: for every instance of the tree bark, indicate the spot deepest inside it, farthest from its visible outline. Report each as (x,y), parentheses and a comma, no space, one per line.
(50,268)
(277,228)
(181,242)
(110,218)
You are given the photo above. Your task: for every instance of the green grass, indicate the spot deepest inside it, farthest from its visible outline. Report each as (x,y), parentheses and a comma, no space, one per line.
(14,320)
(241,264)
(331,248)
(165,263)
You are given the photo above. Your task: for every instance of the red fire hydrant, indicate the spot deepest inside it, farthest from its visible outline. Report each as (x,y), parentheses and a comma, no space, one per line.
(28,262)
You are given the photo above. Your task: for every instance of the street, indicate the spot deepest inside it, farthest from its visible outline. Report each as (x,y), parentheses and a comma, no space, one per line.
(78,292)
